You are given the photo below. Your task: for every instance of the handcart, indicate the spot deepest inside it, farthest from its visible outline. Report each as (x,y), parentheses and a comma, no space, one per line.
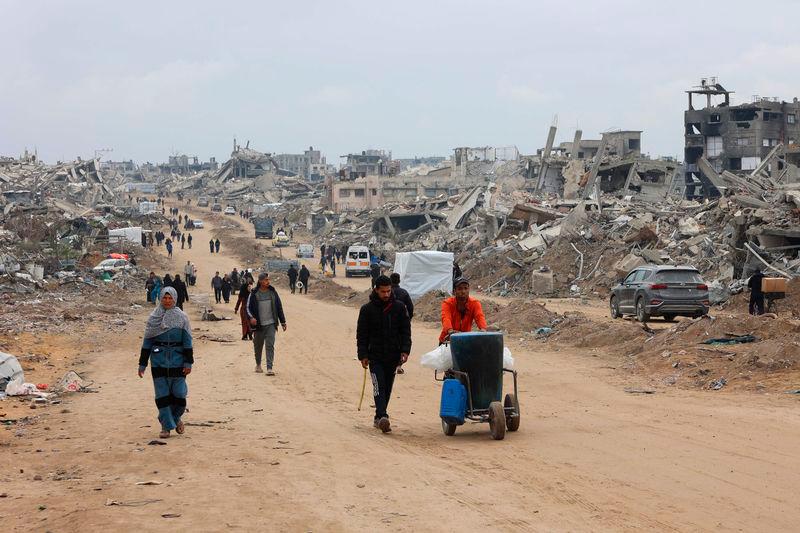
(473,388)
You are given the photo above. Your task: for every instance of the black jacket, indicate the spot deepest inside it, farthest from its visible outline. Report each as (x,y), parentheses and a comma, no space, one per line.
(292,273)
(277,308)
(304,274)
(384,330)
(180,288)
(401,295)
(754,283)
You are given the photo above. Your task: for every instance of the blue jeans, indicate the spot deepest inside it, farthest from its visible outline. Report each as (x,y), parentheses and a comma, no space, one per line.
(171,400)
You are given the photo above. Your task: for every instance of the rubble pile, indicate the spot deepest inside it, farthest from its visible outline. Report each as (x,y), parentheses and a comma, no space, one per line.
(707,352)
(28,185)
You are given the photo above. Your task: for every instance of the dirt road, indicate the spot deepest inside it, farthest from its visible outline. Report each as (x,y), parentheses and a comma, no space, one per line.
(291,453)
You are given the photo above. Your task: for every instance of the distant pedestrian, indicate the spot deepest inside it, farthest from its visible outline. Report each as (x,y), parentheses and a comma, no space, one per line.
(401,295)
(756,306)
(304,276)
(383,340)
(241,308)
(180,288)
(226,288)
(374,272)
(189,241)
(265,311)
(187,271)
(292,273)
(332,264)
(216,284)
(169,249)
(183,241)
(211,246)
(154,294)
(235,279)
(216,245)
(167,346)
(149,283)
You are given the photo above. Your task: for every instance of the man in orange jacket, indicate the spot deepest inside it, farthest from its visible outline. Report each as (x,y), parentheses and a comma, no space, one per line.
(460,311)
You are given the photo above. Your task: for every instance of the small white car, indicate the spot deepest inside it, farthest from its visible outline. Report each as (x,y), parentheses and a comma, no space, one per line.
(230,210)
(197,224)
(305,251)
(112,265)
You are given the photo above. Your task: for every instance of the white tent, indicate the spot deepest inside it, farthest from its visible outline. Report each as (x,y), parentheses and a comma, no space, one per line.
(424,271)
(128,234)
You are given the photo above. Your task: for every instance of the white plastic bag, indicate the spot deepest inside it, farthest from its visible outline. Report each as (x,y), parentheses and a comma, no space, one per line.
(441,358)
(508,361)
(438,359)
(17,387)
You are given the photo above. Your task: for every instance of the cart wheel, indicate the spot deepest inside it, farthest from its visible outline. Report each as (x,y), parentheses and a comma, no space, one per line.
(512,421)
(497,420)
(448,429)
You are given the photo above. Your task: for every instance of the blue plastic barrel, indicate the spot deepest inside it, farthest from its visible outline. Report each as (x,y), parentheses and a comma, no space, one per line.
(453,406)
(480,354)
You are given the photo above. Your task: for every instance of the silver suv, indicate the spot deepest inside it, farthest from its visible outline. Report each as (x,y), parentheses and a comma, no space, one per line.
(665,291)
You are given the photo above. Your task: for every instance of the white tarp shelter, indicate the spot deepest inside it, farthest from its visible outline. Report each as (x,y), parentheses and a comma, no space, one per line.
(146,208)
(126,234)
(424,271)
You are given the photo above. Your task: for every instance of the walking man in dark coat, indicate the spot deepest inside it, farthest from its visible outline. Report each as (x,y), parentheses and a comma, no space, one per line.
(292,273)
(304,277)
(383,339)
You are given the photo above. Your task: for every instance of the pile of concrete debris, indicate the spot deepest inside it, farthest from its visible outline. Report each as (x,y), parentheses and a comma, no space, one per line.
(525,244)
(28,185)
(249,179)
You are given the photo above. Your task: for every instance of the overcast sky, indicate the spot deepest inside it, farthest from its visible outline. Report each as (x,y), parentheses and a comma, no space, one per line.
(415,77)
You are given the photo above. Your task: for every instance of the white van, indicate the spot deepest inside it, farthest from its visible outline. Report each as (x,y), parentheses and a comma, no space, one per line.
(305,251)
(357,261)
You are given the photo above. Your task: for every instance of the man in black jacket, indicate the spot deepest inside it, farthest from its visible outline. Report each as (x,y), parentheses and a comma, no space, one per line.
(756,295)
(265,311)
(292,273)
(401,295)
(304,276)
(383,338)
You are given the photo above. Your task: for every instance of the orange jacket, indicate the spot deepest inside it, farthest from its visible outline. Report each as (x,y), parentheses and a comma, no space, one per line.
(452,319)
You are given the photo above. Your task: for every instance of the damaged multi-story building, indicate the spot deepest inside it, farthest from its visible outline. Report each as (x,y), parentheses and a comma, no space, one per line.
(368,163)
(613,164)
(724,141)
(311,164)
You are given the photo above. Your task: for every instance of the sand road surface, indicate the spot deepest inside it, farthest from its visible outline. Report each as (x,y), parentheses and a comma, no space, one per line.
(291,453)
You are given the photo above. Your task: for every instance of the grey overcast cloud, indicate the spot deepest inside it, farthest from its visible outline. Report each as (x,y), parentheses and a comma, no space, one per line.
(418,78)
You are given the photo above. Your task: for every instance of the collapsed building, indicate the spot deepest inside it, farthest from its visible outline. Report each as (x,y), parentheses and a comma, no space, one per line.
(734,146)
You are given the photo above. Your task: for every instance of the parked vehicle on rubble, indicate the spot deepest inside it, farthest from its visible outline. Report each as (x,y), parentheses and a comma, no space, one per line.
(112,265)
(659,290)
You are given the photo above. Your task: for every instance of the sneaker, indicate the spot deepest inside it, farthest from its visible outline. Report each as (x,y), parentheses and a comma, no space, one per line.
(384,425)
(270,372)
(259,370)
